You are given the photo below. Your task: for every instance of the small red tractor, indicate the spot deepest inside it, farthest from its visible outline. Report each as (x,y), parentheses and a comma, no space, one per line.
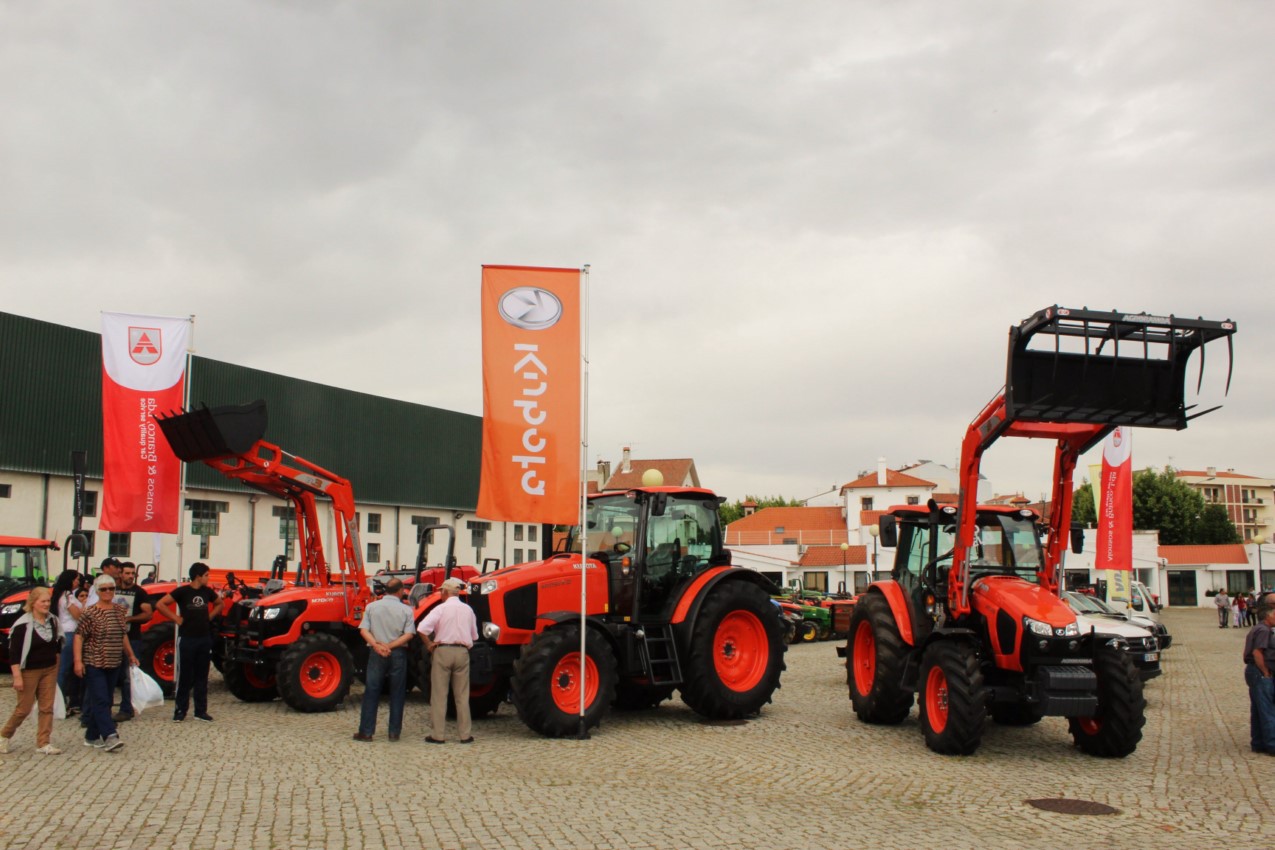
(300,642)
(970,621)
(24,564)
(665,611)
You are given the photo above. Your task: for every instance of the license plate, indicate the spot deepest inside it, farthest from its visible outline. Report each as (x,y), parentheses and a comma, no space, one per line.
(1151,656)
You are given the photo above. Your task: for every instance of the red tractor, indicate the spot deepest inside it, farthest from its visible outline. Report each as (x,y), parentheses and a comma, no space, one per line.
(300,642)
(24,564)
(665,611)
(970,621)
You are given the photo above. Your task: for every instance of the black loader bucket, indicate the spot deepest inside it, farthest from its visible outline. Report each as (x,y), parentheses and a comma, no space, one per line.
(1107,368)
(209,433)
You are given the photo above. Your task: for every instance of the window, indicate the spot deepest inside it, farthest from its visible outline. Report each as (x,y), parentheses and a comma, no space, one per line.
(90,503)
(118,545)
(779,529)
(374,524)
(517,556)
(6,491)
(204,517)
(1239,581)
(422,521)
(518,533)
(865,503)
(815,581)
(1212,494)
(531,533)
(374,553)
(287,527)
(204,548)
(914,500)
(478,533)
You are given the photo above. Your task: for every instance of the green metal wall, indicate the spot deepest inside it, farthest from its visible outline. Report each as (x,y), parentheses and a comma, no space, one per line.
(394,452)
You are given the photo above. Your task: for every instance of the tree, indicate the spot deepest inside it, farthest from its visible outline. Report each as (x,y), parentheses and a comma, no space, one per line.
(1161,501)
(731,511)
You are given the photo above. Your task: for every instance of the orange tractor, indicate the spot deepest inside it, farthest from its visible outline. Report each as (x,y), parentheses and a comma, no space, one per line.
(665,611)
(970,621)
(301,642)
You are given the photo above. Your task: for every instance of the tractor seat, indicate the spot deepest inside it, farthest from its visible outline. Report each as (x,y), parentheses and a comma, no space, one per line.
(419,591)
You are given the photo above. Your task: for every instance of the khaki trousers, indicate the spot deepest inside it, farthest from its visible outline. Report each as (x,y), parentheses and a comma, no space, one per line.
(449,667)
(38,685)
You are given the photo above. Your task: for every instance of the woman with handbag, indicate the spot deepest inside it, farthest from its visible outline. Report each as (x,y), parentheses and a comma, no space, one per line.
(35,643)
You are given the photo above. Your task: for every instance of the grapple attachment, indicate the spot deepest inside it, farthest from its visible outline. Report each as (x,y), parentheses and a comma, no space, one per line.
(215,432)
(1107,368)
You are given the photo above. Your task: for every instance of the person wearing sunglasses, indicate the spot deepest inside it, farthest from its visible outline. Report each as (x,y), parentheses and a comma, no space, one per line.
(100,648)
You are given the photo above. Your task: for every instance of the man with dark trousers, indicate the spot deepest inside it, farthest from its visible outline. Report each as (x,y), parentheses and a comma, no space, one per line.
(387,628)
(137,606)
(197,605)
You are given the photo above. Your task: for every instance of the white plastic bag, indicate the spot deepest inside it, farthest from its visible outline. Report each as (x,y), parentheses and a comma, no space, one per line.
(59,704)
(146,691)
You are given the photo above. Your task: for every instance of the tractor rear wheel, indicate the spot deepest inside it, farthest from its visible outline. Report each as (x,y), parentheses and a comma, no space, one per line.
(248,682)
(484,700)
(809,631)
(735,653)
(314,674)
(953,698)
(158,658)
(1114,732)
(876,655)
(547,683)
(639,696)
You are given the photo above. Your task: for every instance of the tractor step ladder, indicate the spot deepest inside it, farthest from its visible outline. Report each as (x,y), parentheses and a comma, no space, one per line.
(659,656)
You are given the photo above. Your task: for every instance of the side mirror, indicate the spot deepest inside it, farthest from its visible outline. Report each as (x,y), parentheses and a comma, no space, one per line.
(1077,538)
(889,531)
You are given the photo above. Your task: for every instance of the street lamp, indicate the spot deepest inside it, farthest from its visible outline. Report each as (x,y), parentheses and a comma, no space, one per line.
(875,532)
(1259,540)
(845,575)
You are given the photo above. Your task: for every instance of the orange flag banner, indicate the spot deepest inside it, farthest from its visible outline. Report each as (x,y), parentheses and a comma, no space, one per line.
(531,395)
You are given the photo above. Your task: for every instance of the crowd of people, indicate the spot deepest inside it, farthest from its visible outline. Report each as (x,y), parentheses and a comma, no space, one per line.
(1237,611)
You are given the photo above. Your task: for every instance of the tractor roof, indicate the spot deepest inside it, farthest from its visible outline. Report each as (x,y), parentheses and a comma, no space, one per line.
(34,542)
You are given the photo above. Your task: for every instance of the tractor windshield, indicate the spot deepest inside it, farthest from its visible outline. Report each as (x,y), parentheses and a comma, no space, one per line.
(23,565)
(612,522)
(1006,543)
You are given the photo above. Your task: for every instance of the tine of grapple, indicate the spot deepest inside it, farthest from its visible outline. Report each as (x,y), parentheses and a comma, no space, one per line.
(1085,367)
(1202,412)
(1230,361)
(1200,383)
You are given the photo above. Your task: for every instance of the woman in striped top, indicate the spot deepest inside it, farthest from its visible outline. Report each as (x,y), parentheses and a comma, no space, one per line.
(99,649)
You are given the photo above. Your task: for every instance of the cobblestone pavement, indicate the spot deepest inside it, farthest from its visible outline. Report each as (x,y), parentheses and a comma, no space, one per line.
(806,774)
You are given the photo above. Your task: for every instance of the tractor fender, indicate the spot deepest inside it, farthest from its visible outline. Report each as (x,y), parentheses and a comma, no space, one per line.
(912,666)
(694,595)
(572,618)
(897,600)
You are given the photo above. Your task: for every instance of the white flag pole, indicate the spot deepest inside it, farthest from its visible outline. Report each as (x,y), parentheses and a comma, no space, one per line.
(181,495)
(583,733)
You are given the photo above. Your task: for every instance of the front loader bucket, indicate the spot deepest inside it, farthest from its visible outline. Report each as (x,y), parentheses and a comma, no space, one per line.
(209,433)
(1106,368)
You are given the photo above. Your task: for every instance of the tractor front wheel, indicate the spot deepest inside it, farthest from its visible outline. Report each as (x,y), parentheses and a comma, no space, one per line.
(875,656)
(953,698)
(158,658)
(547,684)
(1114,732)
(314,674)
(735,653)
(248,682)
(809,631)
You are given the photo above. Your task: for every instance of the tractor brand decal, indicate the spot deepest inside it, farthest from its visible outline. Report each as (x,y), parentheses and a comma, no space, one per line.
(531,395)
(143,369)
(1144,319)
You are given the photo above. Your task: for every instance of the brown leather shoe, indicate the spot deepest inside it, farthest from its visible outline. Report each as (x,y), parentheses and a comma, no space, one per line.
(468,740)
(430,739)
(393,737)
(359,736)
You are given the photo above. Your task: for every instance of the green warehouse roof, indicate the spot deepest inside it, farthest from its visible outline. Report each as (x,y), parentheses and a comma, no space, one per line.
(393,452)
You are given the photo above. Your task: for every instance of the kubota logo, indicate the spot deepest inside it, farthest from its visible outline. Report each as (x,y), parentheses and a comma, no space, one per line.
(145,345)
(530,308)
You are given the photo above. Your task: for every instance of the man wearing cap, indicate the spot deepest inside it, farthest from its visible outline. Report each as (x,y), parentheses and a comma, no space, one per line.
(448,631)
(387,628)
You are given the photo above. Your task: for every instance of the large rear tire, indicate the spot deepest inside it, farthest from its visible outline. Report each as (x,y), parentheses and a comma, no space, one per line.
(1114,732)
(249,683)
(158,658)
(809,632)
(735,653)
(953,698)
(546,681)
(876,655)
(314,674)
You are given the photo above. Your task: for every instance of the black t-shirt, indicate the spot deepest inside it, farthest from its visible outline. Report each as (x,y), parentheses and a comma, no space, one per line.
(136,597)
(193,606)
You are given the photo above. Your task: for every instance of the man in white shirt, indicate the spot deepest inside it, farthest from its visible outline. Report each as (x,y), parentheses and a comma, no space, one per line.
(449,630)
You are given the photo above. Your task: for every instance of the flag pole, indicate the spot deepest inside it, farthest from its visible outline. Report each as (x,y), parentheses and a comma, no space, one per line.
(583,733)
(181,494)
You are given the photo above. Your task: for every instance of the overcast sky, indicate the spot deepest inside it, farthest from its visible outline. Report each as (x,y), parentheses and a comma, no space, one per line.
(810,225)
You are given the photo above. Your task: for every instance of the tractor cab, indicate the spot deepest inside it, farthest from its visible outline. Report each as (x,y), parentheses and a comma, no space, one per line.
(652,541)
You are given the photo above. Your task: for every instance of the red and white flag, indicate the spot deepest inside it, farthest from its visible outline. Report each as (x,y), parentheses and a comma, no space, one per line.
(143,369)
(1115,514)
(531,395)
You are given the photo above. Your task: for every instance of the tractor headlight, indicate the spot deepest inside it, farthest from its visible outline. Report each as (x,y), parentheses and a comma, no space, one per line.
(11,608)
(271,613)
(1070,630)
(1036,627)
(491,631)
(489,586)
